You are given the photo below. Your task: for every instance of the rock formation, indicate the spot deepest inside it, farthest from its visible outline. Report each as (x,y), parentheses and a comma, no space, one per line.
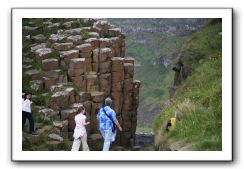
(82,64)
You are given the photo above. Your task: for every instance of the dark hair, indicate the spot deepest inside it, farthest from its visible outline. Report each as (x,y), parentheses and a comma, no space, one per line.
(25,96)
(81,108)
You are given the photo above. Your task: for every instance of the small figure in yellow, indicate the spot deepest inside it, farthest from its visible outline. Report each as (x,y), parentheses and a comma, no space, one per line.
(172,121)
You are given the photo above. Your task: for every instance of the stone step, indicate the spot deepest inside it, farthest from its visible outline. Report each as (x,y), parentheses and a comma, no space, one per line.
(38,46)
(75,39)
(68,55)
(62,125)
(93,35)
(75,31)
(34,74)
(43,53)
(55,38)
(55,137)
(53,26)
(26,67)
(62,46)
(84,48)
(48,113)
(50,64)
(68,24)
(39,38)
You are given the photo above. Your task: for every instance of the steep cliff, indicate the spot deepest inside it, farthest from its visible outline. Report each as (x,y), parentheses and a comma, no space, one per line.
(196,95)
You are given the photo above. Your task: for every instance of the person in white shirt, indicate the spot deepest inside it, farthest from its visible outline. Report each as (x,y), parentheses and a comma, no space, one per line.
(26,113)
(80,134)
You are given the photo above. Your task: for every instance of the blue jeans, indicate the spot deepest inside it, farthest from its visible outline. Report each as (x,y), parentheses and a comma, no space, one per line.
(107,136)
(31,121)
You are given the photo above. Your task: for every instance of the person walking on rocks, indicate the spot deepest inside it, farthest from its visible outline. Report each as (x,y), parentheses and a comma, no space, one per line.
(26,113)
(107,121)
(80,134)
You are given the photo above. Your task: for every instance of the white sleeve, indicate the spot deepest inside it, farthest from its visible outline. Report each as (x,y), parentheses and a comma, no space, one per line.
(29,103)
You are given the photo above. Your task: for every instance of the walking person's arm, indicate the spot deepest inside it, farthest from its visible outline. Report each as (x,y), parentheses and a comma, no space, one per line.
(87,123)
(113,114)
(84,122)
(118,125)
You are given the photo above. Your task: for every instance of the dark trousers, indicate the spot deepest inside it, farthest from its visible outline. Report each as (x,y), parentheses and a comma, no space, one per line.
(31,121)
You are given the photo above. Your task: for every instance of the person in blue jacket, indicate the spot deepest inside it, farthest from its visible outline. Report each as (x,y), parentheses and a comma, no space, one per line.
(107,121)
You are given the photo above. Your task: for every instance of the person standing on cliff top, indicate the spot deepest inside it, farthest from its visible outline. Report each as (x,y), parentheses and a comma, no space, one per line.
(107,121)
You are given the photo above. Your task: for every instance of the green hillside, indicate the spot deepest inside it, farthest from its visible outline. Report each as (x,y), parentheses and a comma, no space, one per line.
(199,97)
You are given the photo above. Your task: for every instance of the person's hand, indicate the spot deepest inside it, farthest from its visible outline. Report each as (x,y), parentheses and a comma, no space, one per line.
(87,123)
(120,129)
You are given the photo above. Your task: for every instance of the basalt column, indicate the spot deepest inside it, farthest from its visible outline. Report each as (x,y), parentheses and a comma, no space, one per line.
(81,63)
(127,104)
(76,72)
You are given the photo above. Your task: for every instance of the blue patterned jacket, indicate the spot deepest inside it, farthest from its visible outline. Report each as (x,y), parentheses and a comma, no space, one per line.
(104,122)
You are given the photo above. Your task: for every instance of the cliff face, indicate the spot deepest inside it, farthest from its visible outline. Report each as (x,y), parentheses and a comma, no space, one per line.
(167,26)
(196,95)
(163,35)
(191,55)
(68,62)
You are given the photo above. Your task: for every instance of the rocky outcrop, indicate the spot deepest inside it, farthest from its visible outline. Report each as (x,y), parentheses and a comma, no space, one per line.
(181,72)
(84,65)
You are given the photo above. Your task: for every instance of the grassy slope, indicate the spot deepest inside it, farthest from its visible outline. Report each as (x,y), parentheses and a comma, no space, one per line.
(198,97)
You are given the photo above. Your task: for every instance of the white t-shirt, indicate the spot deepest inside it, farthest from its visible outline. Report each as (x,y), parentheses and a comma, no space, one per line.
(80,129)
(26,105)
